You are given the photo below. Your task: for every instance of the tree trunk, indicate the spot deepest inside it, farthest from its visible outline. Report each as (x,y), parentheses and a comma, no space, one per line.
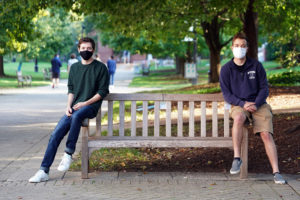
(2,74)
(215,66)
(251,30)
(180,65)
(211,34)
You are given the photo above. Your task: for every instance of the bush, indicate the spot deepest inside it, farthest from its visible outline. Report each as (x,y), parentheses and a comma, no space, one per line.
(285,78)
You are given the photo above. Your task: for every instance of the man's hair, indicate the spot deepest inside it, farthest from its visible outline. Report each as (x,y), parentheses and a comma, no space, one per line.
(87,39)
(112,57)
(240,35)
(73,55)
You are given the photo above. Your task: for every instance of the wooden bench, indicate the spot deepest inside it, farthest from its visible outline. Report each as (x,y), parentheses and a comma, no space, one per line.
(23,80)
(209,104)
(47,73)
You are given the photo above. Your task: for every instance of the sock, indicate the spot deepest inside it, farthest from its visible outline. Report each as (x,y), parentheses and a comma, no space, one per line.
(237,158)
(276,173)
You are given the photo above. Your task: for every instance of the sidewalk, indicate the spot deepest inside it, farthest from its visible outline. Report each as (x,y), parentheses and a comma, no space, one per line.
(29,115)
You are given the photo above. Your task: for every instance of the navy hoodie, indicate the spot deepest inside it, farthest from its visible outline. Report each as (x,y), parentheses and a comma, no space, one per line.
(246,84)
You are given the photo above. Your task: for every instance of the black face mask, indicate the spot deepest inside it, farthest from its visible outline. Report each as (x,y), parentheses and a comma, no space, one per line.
(86,55)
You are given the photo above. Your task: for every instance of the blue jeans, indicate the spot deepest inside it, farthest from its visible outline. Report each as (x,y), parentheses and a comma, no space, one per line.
(66,124)
(112,78)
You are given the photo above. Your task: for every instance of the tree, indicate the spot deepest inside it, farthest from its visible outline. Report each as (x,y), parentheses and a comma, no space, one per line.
(16,26)
(280,21)
(57,34)
(159,19)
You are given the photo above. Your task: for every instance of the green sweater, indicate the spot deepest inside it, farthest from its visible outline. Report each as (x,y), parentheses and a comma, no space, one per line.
(87,80)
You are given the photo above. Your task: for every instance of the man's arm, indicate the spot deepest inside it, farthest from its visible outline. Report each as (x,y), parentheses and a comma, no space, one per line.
(69,104)
(263,92)
(92,100)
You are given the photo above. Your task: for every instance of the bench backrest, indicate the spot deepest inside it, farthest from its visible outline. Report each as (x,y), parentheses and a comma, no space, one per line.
(19,75)
(212,99)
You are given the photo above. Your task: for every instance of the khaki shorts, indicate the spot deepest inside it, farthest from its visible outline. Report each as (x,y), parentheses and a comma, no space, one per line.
(261,119)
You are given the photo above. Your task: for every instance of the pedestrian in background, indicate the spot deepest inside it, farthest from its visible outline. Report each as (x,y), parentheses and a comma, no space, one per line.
(112,66)
(56,65)
(71,61)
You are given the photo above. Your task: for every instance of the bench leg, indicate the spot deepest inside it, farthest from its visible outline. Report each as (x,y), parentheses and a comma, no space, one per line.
(84,153)
(244,154)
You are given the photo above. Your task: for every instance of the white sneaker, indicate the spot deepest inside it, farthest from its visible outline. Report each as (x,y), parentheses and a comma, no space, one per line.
(40,176)
(65,163)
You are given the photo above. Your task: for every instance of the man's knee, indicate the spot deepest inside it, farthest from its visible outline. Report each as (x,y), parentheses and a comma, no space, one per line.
(239,119)
(266,136)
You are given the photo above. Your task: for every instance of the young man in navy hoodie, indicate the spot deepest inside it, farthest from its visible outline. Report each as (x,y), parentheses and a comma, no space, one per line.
(244,85)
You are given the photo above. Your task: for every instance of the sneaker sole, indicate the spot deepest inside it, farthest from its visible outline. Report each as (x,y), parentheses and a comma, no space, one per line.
(43,180)
(280,182)
(62,170)
(235,172)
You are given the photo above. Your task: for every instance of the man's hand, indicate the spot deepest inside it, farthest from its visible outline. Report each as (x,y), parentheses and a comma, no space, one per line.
(79,105)
(250,106)
(69,111)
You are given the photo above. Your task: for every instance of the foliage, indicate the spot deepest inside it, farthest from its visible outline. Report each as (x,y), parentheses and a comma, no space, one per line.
(16,25)
(285,79)
(57,34)
(281,19)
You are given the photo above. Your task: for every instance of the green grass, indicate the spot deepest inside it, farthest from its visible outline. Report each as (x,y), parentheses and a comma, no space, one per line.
(160,80)
(10,69)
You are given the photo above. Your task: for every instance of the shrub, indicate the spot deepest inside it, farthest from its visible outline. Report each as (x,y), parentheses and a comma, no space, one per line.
(285,78)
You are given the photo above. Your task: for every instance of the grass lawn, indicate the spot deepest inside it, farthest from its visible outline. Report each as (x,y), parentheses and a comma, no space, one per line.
(171,82)
(10,69)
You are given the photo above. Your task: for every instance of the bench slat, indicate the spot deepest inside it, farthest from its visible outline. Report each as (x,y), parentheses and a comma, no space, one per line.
(145,118)
(203,119)
(98,122)
(226,122)
(179,119)
(110,117)
(168,119)
(215,119)
(122,117)
(133,118)
(164,97)
(115,142)
(157,118)
(193,97)
(134,97)
(191,119)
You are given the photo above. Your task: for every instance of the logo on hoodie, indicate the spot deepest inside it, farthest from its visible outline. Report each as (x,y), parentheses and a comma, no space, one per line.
(251,74)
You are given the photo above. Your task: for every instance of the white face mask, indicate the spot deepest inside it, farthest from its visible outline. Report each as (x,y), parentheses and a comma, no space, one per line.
(239,52)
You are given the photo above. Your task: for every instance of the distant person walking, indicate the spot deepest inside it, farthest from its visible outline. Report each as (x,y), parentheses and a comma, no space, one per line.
(71,61)
(112,66)
(98,58)
(56,65)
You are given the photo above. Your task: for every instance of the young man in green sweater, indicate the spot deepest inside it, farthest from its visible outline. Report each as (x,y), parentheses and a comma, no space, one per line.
(87,86)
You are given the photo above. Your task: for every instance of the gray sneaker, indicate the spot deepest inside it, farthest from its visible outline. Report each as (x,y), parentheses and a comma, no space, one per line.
(278,179)
(236,166)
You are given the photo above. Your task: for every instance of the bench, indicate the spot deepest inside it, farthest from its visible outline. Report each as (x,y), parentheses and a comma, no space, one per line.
(47,73)
(23,80)
(207,111)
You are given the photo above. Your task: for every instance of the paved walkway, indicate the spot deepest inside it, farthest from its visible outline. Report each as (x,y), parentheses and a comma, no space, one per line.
(29,115)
